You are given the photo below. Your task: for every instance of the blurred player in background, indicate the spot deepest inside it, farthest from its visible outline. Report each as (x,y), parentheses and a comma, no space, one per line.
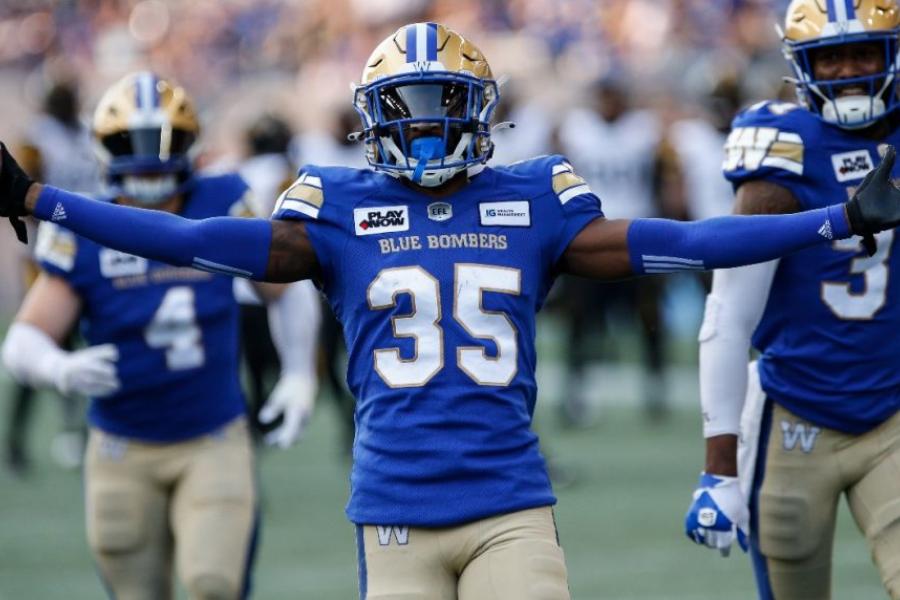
(332,144)
(820,406)
(698,142)
(449,490)
(57,147)
(169,470)
(267,170)
(615,147)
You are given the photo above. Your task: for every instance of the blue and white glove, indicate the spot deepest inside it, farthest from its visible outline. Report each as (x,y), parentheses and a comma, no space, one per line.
(718,514)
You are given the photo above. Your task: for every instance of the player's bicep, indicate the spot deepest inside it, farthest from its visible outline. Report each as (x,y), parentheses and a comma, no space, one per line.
(291,255)
(599,251)
(52,305)
(760,197)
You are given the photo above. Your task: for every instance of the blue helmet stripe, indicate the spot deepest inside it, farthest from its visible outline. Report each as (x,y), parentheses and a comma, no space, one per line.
(146,93)
(431,42)
(829,5)
(851,11)
(410,43)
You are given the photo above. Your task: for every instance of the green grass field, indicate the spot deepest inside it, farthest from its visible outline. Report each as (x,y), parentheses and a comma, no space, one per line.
(620,524)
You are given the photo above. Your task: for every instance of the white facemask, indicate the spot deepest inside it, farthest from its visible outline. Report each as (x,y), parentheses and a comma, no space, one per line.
(852,111)
(149,190)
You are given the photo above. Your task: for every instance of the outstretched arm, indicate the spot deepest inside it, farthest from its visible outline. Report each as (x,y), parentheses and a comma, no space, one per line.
(615,249)
(277,251)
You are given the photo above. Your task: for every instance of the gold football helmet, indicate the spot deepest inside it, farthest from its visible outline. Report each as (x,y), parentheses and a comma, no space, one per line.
(811,25)
(426,100)
(144,127)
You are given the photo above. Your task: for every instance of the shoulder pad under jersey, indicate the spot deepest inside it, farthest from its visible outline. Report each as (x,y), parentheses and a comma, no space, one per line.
(222,194)
(556,171)
(769,139)
(314,186)
(56,246)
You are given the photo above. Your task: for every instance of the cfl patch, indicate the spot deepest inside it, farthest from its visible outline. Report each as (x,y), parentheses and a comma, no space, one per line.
(440,211)
(380,219)
(514,213)
(851,165)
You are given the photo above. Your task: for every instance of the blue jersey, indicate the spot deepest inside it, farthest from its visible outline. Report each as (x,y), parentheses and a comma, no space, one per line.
(176,329)
(437,297)
(829,352)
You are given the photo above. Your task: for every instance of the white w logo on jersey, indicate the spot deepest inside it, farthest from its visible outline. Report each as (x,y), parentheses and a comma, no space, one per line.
(792,433)
(401,534)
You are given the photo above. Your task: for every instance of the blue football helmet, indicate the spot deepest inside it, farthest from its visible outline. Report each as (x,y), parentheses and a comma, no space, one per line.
(811,25)
(426,100)
(144,128)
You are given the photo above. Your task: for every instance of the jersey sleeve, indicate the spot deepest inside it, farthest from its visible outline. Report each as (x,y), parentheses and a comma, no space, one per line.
(304,200)
(767,142)
(56,250)
(574,204)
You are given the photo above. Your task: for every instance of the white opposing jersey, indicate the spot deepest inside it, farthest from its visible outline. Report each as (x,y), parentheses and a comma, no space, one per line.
(615,158)
(67,155)
(701,151)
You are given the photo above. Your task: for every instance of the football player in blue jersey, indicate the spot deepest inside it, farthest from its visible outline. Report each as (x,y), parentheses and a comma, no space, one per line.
(818,412)
(436,264)
(169,470)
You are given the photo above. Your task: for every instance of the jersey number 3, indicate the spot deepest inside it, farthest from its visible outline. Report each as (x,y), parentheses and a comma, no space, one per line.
(423,324)
(174,328)
(860,306)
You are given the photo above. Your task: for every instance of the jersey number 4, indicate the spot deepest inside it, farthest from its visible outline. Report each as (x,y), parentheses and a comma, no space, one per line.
(423,324)
(174,328)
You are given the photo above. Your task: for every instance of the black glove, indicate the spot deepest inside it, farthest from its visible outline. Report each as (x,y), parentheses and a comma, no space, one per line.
(14,184)
(875,206)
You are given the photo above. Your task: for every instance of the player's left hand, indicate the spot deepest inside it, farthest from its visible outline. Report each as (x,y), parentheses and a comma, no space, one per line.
(875,206)
(14,184)
(293,399)
(718,514)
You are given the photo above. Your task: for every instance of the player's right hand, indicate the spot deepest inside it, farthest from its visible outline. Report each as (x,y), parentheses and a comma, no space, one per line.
(292,401)
(875,206)
(14,184)
(718,514)
(90,371)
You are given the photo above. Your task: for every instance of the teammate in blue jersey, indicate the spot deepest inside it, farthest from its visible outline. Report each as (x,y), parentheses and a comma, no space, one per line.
(820,406)
(169,469)
(436,264)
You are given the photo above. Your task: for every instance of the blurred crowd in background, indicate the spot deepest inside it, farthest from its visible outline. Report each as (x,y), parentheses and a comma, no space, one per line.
(638,94)
(297,58)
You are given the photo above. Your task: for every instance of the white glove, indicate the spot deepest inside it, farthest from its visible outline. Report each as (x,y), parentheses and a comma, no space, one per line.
(90,371)
(294,398)
(718,514)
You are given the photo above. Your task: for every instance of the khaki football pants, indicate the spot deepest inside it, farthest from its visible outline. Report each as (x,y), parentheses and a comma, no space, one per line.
(149,505)
(515,556)
(805,476)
